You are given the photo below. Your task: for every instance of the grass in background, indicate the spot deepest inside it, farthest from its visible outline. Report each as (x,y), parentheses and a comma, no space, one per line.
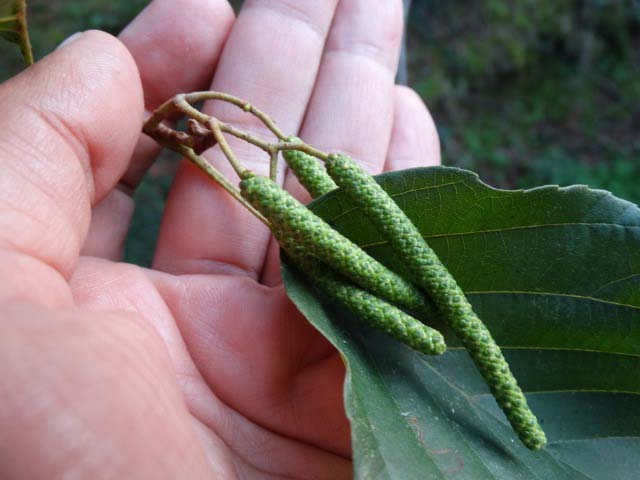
(534,91)
(525,93)
(51,21)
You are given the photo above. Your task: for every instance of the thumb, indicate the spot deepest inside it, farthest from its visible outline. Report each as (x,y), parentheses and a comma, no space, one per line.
(67,130)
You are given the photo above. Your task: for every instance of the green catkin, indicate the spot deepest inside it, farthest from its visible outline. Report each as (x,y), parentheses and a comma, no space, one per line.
(430,274)
(310,172)
(365,306)
(324,243)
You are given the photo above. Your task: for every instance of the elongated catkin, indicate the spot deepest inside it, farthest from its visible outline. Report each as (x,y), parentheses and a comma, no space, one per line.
(365,306)
(430,274)
(310,173)
(324,243)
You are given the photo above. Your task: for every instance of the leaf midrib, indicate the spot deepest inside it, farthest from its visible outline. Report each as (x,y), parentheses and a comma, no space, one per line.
(569,390)
(551,294)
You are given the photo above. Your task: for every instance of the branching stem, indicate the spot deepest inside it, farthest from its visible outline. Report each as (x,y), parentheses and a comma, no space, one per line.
(204,131)
(273,165)
(196,97)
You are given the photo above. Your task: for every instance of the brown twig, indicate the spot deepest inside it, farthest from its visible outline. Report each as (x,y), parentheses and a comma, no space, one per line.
(204,131)
(196,97)
(201,138)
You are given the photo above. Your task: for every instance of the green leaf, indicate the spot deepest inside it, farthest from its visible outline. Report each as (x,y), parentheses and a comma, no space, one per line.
(555,274)
(13,26)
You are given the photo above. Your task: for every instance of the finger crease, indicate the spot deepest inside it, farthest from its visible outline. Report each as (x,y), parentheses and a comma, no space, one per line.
(291,10)
(210,266)
(368,51)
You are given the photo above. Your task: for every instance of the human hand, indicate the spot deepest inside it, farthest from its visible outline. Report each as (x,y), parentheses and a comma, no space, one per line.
(200,367)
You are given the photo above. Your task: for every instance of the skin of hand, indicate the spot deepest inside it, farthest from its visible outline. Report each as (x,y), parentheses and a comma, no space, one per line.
(200,367)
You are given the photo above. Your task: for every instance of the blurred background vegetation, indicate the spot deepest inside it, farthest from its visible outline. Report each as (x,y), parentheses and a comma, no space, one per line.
(524,92)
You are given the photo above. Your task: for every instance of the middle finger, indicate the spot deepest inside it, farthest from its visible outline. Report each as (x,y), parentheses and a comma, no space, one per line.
(351,110)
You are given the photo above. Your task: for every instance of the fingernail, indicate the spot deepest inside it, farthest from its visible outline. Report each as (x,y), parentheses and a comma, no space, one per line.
(70,39)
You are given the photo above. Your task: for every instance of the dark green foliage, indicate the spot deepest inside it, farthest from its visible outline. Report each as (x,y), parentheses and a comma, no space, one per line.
(533,91)
(430,274)
(554,275)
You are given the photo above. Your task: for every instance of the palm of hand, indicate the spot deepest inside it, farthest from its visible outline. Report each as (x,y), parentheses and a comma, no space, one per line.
(200,367)
(254,376)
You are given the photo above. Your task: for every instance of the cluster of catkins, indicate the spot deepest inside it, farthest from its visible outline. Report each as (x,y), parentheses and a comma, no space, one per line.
(370,290)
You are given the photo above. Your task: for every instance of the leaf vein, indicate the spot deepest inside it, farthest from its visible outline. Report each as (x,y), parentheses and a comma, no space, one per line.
(552,294)
(507,229)
(567,349)
(613,282)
